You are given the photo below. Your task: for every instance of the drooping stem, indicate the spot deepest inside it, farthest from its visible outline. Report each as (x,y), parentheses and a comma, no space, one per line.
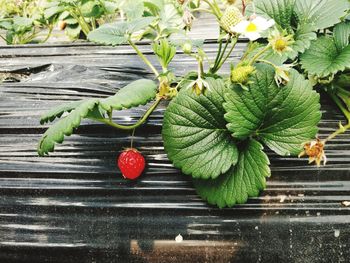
(137,124)
(132,138)
(143,57)
(341,130)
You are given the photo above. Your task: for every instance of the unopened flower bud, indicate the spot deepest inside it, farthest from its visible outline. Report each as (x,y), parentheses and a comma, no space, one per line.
(187,48)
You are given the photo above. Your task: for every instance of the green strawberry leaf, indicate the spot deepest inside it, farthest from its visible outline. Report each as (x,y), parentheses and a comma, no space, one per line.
(64,126)
(280,11)
(320,14)
(282,117)
(140,24)
(57,112)
(110,34)
(194,133)
(170,19)
(119,32)
(314,14)
(135,94)
(244,180)
(301,18)
(73,31)
(323,58)
(341,34)
(302,40)
(133,9)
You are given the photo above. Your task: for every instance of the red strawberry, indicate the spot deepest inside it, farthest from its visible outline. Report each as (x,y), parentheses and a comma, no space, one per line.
(131,163)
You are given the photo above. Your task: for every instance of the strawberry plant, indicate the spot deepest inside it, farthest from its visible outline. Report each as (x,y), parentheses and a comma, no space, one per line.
(23,20)
(216,127)
(79,17)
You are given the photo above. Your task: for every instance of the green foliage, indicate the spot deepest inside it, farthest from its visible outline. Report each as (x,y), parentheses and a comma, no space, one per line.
(58,111)
(65,126)
(136,93)
(341,35)
(119,32)
(165,52)
(194,133)
(302,18)
(132,95)
(20,30)
(216,134)
(326,56)
(244,180)
(320,14)
(170,20)
(81,16)
(132,9)
(282,117)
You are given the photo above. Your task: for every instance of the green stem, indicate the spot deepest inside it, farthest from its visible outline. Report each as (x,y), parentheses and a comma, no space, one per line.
(202,10)
(48,34)
(217,62)
(267,62)
(200,68)
(214,7)
(132,138)
(142,56)
(80,14)
(7,42)
(336,99)
(234,42)
(257,55)
(223,51)
(93,23)
(217,55)
(81,21)
(343,91)
(137,124)
(341,130)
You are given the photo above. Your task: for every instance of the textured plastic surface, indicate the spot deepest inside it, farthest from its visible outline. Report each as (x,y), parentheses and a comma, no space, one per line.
(74,206)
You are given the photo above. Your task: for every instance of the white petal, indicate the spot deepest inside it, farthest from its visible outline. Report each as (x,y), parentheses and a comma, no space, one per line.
(252,35)
(262,23)
(259,20)
(240,27)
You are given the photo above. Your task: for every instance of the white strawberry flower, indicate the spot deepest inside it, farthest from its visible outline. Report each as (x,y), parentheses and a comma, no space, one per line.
(252,28)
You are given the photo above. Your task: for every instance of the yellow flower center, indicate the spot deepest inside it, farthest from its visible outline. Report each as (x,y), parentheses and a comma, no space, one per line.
(281,44)
(251,28)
